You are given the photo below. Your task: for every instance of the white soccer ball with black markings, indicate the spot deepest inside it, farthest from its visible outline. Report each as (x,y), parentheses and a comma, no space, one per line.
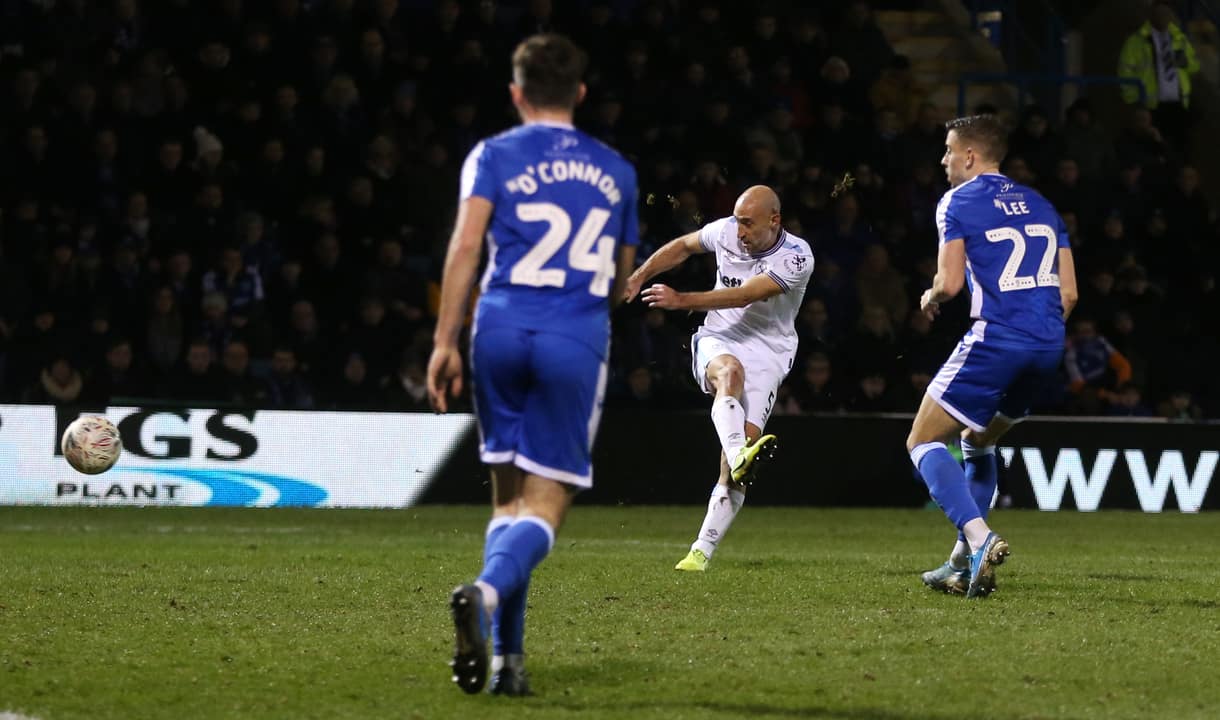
(91,444)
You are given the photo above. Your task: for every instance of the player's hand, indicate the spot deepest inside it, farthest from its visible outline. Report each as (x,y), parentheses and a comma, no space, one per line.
(632,287)
(662,296)
(444,374)
(928,306)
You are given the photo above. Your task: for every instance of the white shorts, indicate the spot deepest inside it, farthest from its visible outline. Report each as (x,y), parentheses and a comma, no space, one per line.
(764,371)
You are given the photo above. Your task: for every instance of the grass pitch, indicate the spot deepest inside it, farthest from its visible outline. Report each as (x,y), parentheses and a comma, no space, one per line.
(201,613)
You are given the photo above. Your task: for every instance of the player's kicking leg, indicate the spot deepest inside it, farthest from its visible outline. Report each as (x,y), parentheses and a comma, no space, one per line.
(744,448)
(947,483)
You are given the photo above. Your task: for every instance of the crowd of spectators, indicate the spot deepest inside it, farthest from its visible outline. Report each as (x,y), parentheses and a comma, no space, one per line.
(248,203)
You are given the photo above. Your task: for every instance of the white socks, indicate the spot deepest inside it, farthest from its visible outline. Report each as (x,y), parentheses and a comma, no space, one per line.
(721,509)
(959,559)
(729,417)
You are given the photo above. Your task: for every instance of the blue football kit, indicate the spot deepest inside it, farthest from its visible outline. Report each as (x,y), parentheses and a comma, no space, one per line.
(563,203)
(1013,236)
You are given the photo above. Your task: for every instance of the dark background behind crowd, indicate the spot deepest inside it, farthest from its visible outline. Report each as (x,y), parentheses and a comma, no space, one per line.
(249,202)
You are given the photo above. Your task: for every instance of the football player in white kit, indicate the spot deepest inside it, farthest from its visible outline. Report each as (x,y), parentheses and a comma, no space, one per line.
(747,342)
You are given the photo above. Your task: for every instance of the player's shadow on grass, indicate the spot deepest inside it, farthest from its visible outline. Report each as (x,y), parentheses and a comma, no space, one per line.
(762,710)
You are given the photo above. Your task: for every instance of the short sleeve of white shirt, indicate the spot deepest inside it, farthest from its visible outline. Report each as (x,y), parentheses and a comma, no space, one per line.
(709,235)
(793,270)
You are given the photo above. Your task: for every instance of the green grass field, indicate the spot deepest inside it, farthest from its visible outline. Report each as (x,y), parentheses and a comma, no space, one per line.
(200,613)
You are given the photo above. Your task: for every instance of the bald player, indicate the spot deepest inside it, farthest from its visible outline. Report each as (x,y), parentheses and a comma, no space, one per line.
(746,344)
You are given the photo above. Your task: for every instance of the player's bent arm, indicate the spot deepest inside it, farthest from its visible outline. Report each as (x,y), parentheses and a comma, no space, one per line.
(461,265)
(1067,281)
(626,261)
(759,287)
(669,256)
(950,271)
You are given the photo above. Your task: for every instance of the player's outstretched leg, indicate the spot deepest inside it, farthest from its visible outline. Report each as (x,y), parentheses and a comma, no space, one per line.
(983,562)
(948,579)
(744,467)
(470,638)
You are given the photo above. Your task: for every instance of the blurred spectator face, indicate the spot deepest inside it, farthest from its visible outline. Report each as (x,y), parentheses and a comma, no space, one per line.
(1157,226)
(919,381)
(718,112)
(875,321)
(1068,172)
(709,13)
(327,250)
(639,382)
(214,306)
(738,60)
(286,99)
(762,159)
(341,93)
(389,253)
(210,197)
(250,111)
(230,261)
(36,140)
(176,93)
(236,358)
(354,370)
(44,320)
(83,98)
(1124,324)
(1112,228)
(283,362)
(163,301)
(1129,396)
(290,273)
(1103,281)
(360,192)
(817,370)
(304,320)
(1130,176)
(1035,125)
(832,116)
(696,74)
(252,228)
(918,322)
(636,58)
(1141,119)
(214,55)
(372,47)
(836,71)
(857,15)
(707,173)
(273,151)
(62,253)
(1161,16)
(258,41)
(106,146)
(540,9)
(464,113)
(1019,170)
(814,314)
(325,53)
(887,123)
(764,27)
(178,266)
(872,386)
(780,118)
(198,358)
(137,205)
(847,211)
(609,111)
(876,259)
(61,371)
(487,11)
(118,357)
(1071,223)
(170,155)
(1085,329)
(25,86)
(372,312)
(1188,180)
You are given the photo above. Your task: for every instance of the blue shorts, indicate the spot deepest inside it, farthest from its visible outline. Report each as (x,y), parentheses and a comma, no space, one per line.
(980,381)
(538,398)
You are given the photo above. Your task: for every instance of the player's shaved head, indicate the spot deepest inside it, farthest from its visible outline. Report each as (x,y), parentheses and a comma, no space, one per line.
(985,134)
(759,197)
(548,68)
(758,221)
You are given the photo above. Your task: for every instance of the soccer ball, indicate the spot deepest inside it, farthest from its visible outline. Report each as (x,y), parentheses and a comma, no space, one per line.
(91,444)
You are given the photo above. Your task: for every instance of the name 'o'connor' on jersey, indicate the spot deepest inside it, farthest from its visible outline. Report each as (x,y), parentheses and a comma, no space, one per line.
(1012,237)
(563,202)
(772,321)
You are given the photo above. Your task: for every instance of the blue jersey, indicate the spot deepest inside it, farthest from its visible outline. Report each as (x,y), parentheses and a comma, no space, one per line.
(1012,237)
(563,203)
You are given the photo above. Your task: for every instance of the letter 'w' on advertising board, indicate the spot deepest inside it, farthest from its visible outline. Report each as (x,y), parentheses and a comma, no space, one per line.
(265,458)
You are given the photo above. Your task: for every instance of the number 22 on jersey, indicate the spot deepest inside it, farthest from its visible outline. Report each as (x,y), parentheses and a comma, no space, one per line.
(1009,280)
(581,254)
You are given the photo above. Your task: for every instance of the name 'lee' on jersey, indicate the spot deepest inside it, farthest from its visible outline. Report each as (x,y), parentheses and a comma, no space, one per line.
(1012,237)
(555,229)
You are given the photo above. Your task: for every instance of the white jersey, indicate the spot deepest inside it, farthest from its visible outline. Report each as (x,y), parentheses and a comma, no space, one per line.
(769,322)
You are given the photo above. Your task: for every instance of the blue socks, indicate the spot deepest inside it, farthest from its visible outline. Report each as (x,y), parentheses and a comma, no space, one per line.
(947,482)
(982,475)
(495,529)
(509,558)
